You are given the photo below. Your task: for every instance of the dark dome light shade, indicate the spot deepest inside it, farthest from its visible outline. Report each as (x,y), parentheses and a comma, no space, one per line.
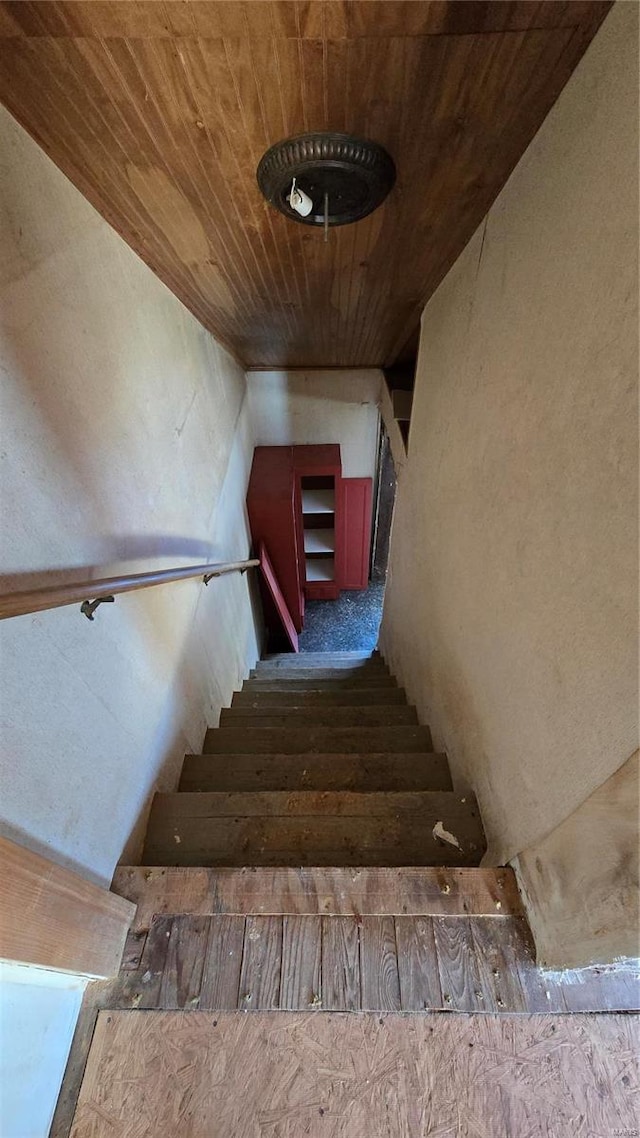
(355,174)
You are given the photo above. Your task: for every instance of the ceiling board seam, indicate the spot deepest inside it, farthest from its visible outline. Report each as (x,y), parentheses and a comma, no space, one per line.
(396,34)
(268,213)
(158,149)
(298,236)
(215,225)
(234,159)
(242,114)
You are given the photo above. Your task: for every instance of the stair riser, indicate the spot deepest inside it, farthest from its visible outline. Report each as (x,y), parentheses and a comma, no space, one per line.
(332,663)
(322,740)
(320,683)
(323,658)
(287,850)
(342,674)
(350,698)
(316,772)
(318,716)
(320,766)
(338,828)
(300,841)
(456,813)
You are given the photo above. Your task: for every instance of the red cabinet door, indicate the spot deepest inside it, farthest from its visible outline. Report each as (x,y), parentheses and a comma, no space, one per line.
(356,532)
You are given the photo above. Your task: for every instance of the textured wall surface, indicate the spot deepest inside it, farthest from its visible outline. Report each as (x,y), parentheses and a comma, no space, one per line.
(581,881)
(125,446)
(320,406)
(511,609)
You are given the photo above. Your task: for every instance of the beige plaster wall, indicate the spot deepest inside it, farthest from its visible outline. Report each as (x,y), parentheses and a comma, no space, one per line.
(511,607)
(320,406)
(126,445)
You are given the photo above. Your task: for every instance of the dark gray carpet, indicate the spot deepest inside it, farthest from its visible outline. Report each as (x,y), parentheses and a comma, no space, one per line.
(349,624)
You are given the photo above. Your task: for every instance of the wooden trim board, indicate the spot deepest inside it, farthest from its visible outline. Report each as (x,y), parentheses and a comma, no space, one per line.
(275,592)
(366,891)
(51,917)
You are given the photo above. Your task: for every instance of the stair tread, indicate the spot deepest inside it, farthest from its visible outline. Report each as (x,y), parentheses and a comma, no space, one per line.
(321,716)
(396,771)
(318,681)
(308,891)
(318,762)
(297,740)
(319,657)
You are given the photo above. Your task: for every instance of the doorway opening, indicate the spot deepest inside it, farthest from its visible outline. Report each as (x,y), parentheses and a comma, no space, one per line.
(351,622)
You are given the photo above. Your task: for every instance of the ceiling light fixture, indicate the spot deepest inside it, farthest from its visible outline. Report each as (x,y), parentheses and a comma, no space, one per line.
(326,179)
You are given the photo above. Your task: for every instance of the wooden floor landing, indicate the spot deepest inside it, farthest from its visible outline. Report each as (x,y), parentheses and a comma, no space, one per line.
(365,963)
(328,964)
(183,1075)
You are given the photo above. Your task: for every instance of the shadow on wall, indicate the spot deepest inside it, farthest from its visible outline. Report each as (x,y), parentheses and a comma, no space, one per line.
(82,447)
(113,556)
(121,699)
(77,791)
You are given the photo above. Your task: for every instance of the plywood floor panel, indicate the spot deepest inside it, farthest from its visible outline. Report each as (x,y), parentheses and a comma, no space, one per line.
(186,1075)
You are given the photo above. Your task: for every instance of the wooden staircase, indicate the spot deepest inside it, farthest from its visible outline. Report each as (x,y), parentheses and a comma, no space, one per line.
(297,869)
(319,761)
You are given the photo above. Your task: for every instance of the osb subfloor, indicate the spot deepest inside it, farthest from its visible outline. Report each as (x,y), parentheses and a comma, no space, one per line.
(199,1075)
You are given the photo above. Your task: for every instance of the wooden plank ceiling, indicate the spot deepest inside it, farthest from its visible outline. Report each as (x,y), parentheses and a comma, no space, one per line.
(159,113)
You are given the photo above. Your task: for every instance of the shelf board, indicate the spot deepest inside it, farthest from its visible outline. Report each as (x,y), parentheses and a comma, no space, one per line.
(320,569)
(318,501)
(319,541)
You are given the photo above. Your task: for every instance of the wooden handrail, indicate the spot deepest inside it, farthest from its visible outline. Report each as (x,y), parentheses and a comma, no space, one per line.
(56,596)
